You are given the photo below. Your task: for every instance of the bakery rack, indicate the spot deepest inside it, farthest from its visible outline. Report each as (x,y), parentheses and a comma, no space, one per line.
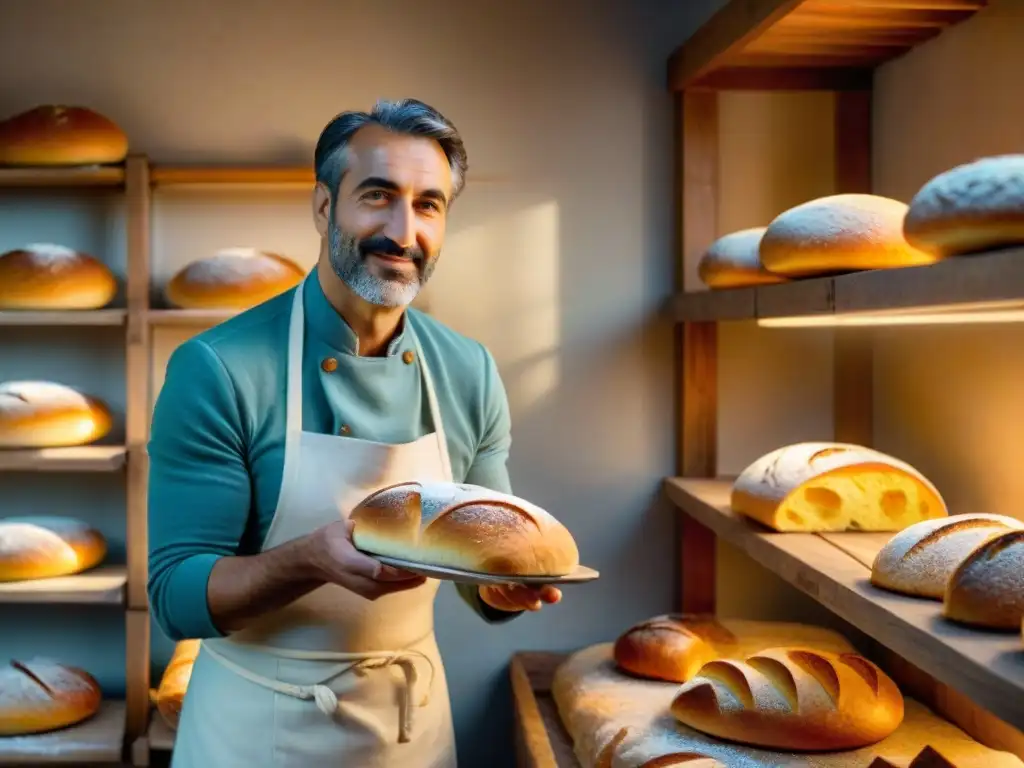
(975,680)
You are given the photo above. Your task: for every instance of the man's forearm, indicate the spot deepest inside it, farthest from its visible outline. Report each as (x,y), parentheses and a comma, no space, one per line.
(241,589)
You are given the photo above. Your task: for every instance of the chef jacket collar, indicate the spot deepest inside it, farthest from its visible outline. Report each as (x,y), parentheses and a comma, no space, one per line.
(330,327)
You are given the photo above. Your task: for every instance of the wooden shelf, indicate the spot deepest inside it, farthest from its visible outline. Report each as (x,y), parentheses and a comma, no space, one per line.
(541,740)
(992,280)
(987,667)
(69,317)
(159,734)
(104,585)
(808,44)
(86,458)
(224,176)
(188,317)
(87,176)
(98,740)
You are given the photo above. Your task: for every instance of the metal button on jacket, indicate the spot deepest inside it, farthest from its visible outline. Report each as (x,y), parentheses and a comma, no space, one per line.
(408,356)
(329,364)
(345,429)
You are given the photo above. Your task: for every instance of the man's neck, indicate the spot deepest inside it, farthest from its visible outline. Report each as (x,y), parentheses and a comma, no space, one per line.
(373,326)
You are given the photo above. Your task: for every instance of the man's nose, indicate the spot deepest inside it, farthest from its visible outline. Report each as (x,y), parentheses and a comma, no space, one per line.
(401,225)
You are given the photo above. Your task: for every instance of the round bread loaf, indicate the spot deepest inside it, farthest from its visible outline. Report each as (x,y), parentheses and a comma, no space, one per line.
(41,695)
(674,647)
(174,682)
(43,414)
(919,560)
(813,487)
(839,233)
(977,206)
(733,261)
(987,588)
(58,135)
(459,525)
(792,699)
(232,278)
(39,547)
(47,276)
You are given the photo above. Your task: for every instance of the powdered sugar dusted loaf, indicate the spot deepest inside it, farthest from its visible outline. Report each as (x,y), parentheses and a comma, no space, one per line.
(48,276)
(42,546)
(987,588)
(45,414)
(733,261)
(42,695)
(232,278)
(920,559)
(972,207)
(465,526)
(834,487)
(839,233)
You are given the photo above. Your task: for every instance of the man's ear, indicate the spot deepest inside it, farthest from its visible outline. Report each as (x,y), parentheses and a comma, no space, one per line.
(321,208)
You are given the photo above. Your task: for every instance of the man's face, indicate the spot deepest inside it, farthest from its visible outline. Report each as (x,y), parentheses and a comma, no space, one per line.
(387,226)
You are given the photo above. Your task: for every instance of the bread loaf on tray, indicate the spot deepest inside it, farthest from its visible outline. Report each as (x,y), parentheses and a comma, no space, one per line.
(976,206)
(458,525)
(39,547)
(839,233)
(41,695)
(170,694)
(987,588)
(47,276)
(59,135)
(673,647)
(834,487)
(919,560)
(734,261)
(44,414)
(232,278)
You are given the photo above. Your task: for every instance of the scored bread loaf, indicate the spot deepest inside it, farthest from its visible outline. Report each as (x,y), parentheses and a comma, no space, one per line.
(232,278)
(58,135)
(459,525)
(920,559)
(834,487)
(792,698)
(839,233)
(41,695)
(40,547)
(987,588)
(44,414)
(48,276)
(673,647)
(170,694)
(649,752)
(976,206)
(734,261)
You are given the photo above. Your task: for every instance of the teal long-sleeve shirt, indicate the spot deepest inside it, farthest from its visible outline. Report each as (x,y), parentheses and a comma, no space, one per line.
(216,449)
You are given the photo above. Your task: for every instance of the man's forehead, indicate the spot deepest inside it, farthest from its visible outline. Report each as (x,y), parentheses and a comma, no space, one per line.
(409,161)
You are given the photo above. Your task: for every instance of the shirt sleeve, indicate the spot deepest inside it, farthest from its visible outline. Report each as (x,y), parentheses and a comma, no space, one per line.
(199,489)
(490,469)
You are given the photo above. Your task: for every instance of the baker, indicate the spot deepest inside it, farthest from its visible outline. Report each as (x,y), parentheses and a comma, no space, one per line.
(271,426)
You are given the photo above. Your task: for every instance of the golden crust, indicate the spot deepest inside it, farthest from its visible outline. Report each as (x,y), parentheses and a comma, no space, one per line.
(58,135)
(40,696)
(29,280)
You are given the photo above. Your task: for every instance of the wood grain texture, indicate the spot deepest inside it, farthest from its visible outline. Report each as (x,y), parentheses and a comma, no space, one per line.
(541,740)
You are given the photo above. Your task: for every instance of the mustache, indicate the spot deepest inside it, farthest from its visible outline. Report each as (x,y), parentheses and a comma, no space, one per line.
(385,245)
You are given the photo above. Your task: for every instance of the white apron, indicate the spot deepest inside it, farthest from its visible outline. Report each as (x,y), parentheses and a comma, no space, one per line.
(332,680)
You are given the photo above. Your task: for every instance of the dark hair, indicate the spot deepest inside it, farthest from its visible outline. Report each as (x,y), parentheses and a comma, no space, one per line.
(407,116)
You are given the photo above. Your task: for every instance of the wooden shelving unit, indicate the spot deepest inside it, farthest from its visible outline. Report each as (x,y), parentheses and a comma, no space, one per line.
(97,741)
(86,458)
(104,585)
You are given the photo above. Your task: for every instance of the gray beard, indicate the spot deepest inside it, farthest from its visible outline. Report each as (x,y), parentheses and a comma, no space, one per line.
(351,269)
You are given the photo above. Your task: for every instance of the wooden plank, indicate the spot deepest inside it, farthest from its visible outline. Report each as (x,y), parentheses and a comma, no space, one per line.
(714,305)
(177,176)
(862,547)
(98,740)
(188,317)
(88,176)
(813,296)
(987,667)
(94,317)
(785,79)
(86,458)
(103,585)
(161,737)
(137,644)
(541,739)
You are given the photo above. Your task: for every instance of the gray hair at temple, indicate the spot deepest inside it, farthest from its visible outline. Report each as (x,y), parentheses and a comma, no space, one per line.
(407,116)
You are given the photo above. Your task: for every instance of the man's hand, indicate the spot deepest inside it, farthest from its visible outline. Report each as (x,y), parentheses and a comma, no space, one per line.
(516,597)
(337,561)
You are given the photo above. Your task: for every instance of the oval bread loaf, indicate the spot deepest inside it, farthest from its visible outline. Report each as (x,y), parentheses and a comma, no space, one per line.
(459,525)
(41,695)
(987,588)
(232,278)
(973,207)
(839,233)
(673,647)
(170,694)
(630,746)
(59,135)
(46,276)
(44,414)
(792,699)
(39,547)
(734,261)
(834,487)
(919,560)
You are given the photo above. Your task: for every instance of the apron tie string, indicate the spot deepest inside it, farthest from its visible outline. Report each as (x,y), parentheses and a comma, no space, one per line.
(326,699)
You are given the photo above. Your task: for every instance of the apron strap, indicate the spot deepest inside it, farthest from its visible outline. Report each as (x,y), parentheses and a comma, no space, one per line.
(435,409)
